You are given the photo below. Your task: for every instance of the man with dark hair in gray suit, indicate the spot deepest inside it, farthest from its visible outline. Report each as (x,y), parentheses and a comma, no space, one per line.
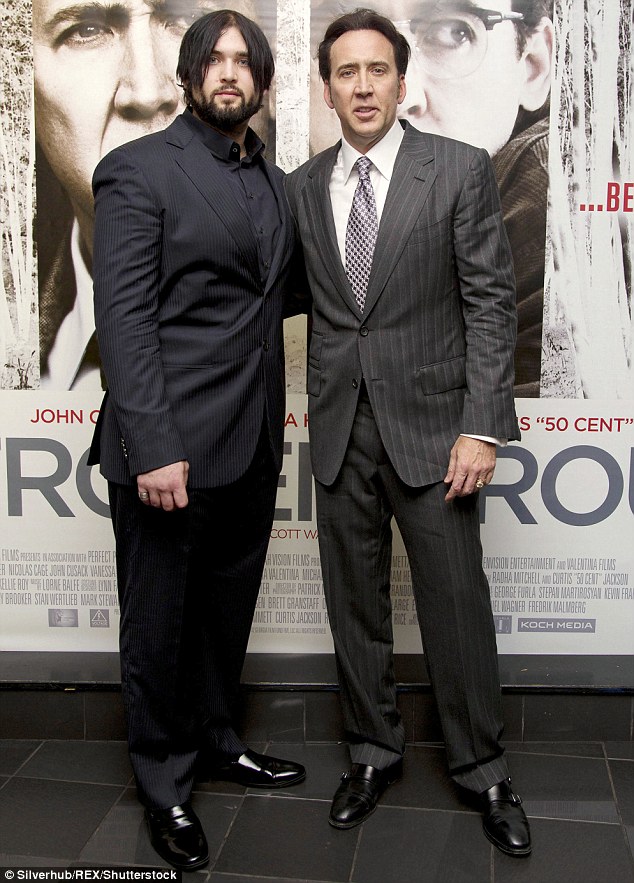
(193,249)
(410,386)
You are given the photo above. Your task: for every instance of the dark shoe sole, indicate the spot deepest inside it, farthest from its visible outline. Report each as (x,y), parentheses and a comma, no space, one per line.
(345,825)
(518,853)
(269,786)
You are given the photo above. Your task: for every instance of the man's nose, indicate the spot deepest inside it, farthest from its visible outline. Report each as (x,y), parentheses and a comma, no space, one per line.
(228,71)
(415,105)
(364,85)
(147,85)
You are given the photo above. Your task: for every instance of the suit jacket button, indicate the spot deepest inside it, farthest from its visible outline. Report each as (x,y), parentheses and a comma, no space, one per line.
(364,331)
(266,346)
(355,383)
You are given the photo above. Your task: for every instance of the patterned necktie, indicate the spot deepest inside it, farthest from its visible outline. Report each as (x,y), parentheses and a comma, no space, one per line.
(361,233)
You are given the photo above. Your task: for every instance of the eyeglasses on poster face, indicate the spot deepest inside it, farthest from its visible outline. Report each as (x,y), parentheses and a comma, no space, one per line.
(451,39)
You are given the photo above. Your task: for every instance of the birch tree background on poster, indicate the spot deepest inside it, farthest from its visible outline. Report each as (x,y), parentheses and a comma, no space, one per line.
(292,84)
(18,325)
(588,320)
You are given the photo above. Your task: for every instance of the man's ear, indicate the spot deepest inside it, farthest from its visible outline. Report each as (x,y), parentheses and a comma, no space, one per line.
(327,97)
(537,58)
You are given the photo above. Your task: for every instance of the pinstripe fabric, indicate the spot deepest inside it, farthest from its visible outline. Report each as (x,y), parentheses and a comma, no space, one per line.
(452,600)
(439,320)
(191,341)
(433,354)
(190,337)
(188,582)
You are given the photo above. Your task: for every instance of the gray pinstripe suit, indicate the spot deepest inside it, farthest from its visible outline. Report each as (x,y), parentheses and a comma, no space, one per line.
(389,391)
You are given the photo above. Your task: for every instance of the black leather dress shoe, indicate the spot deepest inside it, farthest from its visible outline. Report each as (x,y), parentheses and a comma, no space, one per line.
(356,798)
(261,771)
(505,822)
(176,834)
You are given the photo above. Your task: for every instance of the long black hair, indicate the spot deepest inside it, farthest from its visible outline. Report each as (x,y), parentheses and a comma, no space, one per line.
(200,40)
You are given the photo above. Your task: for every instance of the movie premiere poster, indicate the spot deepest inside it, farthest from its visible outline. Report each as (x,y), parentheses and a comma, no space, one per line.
(550,96)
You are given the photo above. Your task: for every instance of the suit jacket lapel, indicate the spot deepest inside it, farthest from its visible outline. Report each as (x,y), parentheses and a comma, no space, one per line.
(193,158)
(322,222)
(284,244)
(412,179)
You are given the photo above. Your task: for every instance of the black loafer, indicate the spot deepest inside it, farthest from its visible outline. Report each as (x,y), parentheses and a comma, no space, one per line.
(505,822)
(356,798)
(176,834)
(255,770)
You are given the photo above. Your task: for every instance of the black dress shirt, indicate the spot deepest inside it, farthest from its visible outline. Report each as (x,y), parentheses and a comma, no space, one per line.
(249,184)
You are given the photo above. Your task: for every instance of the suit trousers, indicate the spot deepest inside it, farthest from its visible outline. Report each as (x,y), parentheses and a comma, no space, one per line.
(188,585)
(451,591)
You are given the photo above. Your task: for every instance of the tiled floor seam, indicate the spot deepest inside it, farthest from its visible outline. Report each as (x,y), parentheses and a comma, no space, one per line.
(240,798)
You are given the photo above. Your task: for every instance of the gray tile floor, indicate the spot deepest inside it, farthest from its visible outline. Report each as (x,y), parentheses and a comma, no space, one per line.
(72,803)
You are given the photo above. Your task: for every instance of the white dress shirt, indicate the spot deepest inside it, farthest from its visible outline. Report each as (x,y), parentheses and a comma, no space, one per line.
(65,369)
(343,183)
(344,179)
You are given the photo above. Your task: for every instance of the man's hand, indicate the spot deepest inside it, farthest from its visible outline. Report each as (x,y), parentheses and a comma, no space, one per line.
(471,466)
(165,488)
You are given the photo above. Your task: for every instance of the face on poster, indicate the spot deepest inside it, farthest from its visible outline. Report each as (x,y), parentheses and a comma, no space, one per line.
(469,75)
(480,75)
(104,74)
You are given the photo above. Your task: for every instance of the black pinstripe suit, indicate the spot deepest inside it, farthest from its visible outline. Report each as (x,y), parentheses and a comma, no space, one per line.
(190,333)
(434,349)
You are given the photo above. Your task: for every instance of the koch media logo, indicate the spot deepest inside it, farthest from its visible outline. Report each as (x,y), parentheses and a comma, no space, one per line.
(63,619)
(550,624)
(100,619)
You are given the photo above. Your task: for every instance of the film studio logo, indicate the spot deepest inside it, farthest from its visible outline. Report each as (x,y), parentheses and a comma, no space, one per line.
(503,624)
(100,618)
(68,618)
(63,618)
(556,624)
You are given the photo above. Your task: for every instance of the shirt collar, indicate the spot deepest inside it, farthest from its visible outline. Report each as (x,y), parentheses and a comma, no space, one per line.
(382,155)
(221,146)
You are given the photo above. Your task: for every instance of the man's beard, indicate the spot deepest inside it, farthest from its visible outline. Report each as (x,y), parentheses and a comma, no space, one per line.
(225,118)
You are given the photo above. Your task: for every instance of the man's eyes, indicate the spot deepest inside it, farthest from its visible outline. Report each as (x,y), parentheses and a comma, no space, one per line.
(84,33)
(347,73)
(241,62)
(447,33)
(175,19)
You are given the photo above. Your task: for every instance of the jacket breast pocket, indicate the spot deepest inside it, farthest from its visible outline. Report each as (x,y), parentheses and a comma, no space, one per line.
(442,376)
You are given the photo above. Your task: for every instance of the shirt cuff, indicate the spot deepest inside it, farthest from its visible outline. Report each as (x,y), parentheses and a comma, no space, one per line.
(502,442)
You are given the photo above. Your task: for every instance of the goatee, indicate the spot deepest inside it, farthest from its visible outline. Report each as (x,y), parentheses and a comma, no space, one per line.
(225,119)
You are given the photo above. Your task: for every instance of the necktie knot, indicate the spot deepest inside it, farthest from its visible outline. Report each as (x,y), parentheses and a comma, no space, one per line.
(363,165)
